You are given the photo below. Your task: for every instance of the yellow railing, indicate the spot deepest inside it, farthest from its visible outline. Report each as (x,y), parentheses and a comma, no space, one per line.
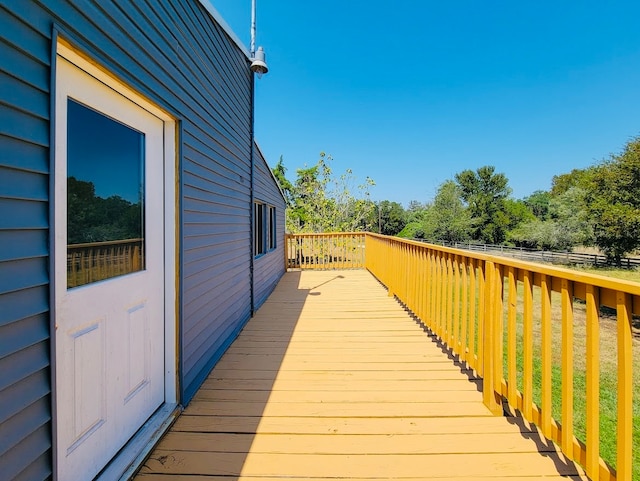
(325,251)
(531,331)
(96,261)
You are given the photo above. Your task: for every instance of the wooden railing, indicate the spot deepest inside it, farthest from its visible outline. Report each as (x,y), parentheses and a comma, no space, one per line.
(537,336)
(97,261)
(537,255)
(325,251)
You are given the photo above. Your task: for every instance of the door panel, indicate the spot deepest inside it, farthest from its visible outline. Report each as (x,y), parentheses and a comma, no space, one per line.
(137,373)
(109,270)
(88,400)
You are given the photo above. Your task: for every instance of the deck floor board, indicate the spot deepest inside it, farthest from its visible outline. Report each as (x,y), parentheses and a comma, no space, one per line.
(332,379)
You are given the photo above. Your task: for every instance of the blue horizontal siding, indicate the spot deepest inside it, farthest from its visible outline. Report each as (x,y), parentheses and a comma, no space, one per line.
(32,457)
(210,337)
(25,214)
(15,397)
(20,335)
(21,125)
(212,188)
(23,274)
(210,300)
(221,343)
(23,244)
(268,268)
(24,67)
(177,56)
(40,468)
(18,428)
(20,96)
(22,364)
(23,155)
(22,304)
(25,39)
(213,207)
(25,403)
(215,158)
(18,184)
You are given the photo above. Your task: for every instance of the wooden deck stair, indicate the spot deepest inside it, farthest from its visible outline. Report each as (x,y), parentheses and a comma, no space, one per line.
(332,379)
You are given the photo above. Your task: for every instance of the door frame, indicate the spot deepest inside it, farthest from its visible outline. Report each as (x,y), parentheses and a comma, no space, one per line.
(134,451)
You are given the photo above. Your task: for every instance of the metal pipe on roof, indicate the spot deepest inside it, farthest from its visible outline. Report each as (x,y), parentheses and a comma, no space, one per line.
(253,29)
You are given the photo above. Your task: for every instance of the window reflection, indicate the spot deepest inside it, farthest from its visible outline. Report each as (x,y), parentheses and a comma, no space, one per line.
(105,197)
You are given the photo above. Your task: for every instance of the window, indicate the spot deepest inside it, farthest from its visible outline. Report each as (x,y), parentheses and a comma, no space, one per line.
(264,236)
(272,228)
(105,197)
(259,244)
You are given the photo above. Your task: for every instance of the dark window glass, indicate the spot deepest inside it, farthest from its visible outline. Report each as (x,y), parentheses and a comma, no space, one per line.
(259,234)
(272,228)
(105,197)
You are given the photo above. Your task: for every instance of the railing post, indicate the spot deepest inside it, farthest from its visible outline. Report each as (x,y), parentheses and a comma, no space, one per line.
(593,383)
(286,252)
(491,338)
(567,367)
(624,459)
(392,272)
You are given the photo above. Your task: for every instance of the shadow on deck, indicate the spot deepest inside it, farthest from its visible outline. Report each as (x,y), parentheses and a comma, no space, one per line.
(333,379)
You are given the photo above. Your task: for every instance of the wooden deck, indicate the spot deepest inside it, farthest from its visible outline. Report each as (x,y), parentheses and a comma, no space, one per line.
(332,379)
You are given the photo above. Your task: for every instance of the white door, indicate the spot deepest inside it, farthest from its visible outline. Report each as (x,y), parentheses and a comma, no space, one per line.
(109,275)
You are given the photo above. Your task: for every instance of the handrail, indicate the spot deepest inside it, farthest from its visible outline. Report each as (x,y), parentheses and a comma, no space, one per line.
(343,250)
(515,324)
(537,255)
(466,296)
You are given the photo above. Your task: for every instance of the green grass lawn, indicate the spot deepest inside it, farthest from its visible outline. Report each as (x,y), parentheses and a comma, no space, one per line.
(625,274)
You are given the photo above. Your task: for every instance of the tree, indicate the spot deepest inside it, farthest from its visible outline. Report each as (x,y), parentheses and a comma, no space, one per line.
(392,217)
(413,230)
(415,207)
(485,192)
(279,172)
(417,220)
(451,219)
(321,202)
(538,202)
(565,226)
(576,178)
(613,202)
(569,211)
(517,213)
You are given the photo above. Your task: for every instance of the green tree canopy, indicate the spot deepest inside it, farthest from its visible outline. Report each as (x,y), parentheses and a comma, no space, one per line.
(563,182)
(321,202)
(485,192)
(613,202)
(538,202)
(392,217)
(450,218)
(279,172)
(564,227)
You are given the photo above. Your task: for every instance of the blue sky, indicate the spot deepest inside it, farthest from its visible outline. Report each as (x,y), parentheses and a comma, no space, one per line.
(411,92)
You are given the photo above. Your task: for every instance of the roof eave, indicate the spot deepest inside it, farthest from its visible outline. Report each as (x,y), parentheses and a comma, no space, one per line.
(225,26)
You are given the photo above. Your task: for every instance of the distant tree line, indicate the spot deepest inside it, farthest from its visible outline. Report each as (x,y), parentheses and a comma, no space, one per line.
(596,206)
